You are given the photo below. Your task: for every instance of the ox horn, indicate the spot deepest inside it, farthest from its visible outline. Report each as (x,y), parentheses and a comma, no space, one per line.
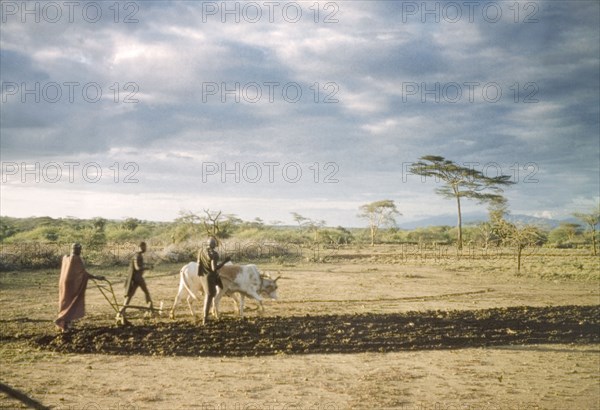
(277,278)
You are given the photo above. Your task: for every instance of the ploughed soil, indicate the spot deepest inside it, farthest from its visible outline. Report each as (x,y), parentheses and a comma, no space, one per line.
(340,336)
(343,333)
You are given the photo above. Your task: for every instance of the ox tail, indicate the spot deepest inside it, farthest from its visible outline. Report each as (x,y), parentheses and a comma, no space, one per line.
(185,282)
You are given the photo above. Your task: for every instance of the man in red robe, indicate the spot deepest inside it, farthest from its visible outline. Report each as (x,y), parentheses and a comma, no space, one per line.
(71,288)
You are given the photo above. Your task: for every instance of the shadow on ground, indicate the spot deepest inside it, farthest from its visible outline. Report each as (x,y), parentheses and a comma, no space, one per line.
(337,333)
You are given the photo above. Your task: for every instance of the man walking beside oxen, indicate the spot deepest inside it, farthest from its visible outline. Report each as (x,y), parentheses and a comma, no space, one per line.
(135,280)
(208,267)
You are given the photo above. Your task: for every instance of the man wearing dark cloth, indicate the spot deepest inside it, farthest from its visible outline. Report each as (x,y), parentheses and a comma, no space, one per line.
(71,288)
(208,267)
(135,279)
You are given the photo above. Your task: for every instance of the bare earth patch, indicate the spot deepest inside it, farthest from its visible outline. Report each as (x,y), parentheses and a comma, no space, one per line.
(341,336)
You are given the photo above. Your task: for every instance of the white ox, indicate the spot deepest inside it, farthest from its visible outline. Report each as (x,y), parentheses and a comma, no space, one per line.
(244,280)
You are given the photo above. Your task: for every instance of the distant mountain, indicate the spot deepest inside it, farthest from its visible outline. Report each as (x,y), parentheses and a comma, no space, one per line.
(545,223)
(443,220)
(473,218)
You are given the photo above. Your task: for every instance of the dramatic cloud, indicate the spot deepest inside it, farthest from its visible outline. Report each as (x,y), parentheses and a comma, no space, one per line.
(266,108)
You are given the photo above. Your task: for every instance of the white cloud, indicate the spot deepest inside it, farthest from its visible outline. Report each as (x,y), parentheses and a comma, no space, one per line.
(544,214)
(381,127)
(369,133)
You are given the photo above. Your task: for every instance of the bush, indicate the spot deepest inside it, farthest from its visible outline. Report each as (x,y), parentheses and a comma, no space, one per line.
(30,255)
(179,253)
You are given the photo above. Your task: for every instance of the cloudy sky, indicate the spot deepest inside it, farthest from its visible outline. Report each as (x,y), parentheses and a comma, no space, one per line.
(260,109)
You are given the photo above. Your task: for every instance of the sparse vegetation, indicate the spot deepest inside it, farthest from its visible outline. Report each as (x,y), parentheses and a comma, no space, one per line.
(413,290)
(32,243)
(592,220)
(379,214)
(461,182)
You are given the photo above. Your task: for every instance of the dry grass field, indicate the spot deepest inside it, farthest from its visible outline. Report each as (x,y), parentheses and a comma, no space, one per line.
(366,329)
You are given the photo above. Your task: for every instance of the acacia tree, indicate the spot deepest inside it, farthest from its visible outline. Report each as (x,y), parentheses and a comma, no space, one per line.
(218,225)
(97,234)
(312,225)
(515,236)
(211,222)
(461,182)
(566,232)
(592,220)
(130,224)
(187,226)
(518,237)
(489,231)
(379,213)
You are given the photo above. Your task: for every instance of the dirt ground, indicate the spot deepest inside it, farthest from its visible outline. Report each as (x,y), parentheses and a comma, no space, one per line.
(344,335)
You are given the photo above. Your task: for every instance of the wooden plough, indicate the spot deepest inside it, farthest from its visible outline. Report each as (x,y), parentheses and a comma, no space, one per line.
(109,294)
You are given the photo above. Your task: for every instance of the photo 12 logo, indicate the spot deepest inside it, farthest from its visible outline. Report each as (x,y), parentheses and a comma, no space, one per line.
(469,92)
(69,91)
(525,173)
(53,12)
(269,11)
(69,172)
(269,172)
(470,11)
(270,92)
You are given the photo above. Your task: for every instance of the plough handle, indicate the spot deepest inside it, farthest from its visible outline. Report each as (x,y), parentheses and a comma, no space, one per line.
(113,303)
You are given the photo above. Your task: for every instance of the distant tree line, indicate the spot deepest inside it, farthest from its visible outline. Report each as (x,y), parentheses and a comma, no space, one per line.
(457,182)
(98,232)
